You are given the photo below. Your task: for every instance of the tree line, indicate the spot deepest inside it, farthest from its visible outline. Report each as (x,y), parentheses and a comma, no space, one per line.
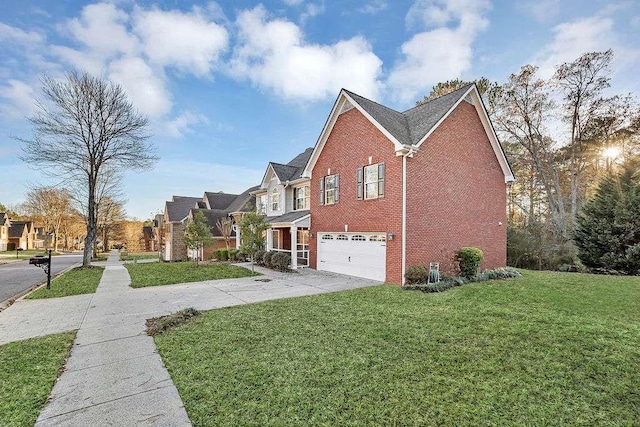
(563,135)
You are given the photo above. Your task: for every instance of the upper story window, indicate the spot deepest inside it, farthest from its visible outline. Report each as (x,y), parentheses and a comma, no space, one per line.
(370,180)
(301,198)
(275,199)
(329,186)
(262,204)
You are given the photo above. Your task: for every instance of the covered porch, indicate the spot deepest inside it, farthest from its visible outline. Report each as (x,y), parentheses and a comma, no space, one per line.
(290,233)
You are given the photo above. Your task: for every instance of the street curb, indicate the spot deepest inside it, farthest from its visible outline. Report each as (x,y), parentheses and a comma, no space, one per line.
(8,302)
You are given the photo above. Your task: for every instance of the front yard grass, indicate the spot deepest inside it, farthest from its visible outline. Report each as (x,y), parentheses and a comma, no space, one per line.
(80,280)
(169,273)
(28,371)
(546,349)
(132,256)
(25,254)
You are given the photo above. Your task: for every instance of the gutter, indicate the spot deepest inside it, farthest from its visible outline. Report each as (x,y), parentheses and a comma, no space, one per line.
(406,151)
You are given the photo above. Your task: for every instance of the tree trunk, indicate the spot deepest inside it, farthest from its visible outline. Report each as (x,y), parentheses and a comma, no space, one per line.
(92,233)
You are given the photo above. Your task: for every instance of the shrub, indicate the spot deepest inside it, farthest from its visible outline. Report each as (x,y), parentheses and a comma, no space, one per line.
(469,259)
(158,325)
(451,282)
(280,261)
(233,254)
(222,254)
(266,258)
(258,258)
(417,274)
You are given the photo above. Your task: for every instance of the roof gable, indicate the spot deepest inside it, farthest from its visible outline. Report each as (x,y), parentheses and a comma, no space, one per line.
(179,207)
(287,172)
(219,200)
(409,130)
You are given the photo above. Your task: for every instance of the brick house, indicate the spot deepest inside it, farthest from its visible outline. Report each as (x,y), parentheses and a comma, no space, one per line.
(5,224)
(214,206)
(393,189)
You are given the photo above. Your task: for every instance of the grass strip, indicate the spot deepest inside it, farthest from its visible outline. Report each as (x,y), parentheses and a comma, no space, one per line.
(169,273)
(548,348)
(28,371)
(80,280)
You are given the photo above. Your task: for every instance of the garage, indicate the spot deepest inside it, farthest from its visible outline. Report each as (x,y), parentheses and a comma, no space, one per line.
(355,254)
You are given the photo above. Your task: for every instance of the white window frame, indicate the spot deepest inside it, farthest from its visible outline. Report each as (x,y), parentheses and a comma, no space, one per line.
(275,200)
(263,201)
(275,238)
(330,191)
(301,202)
(371,181)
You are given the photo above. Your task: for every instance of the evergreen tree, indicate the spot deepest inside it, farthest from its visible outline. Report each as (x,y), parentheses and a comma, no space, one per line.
(252,229)
(608,231)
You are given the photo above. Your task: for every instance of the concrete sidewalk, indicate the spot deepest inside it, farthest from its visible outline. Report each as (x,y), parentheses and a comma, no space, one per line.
(114,375)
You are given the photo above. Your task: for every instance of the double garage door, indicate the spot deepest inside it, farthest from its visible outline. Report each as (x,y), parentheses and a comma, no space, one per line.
(355,254)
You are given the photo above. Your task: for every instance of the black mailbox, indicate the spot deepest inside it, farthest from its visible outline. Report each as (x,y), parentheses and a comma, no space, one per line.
(39,259)
(44,262)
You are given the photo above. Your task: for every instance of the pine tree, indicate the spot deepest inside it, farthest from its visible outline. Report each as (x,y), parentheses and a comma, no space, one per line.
(608,231)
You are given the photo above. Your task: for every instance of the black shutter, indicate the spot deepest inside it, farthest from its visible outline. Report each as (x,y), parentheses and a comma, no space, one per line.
(295,198)
(359,177)
(336,191)
(322,191)
(380,179)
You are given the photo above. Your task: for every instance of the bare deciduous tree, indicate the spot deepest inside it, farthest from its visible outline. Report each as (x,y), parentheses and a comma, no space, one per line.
(84,128)
(49,207)
(225,227)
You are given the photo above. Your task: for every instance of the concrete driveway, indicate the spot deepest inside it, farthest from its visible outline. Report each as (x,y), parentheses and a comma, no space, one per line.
(114,375)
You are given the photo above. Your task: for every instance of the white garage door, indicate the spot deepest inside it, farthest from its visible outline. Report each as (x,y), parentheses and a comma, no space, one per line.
(355,254)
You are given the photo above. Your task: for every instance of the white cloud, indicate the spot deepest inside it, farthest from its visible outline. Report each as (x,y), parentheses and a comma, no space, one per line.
(16,35)
(273,55)
(312,9)
(373,7)
(542,11)
(102,28)
(444,51)
(145,86)
(188,41)
(182,124)
(20,97)
(572,39)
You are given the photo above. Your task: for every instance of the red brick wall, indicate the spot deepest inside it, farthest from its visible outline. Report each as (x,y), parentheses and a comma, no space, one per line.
(349,146)
(217,244)
(457,195)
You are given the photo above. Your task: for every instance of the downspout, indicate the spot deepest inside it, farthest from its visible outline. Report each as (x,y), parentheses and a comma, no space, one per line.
(404,217)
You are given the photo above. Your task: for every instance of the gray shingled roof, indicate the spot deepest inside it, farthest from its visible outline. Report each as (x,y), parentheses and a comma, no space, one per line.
(16,229)
(410,126)
(242,202)
(292,170)
(3,218)
(219,200)
(178,209)
(288,217)
(212,216)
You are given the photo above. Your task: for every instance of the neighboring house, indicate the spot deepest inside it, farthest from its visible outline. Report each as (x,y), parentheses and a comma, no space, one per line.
(175,212)
(148,239)
(19,235)
(283,196)
(394,189)
(39,237)
(215,206)
(5,223)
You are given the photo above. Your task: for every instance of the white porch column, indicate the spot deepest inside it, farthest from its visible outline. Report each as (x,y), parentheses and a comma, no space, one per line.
(269,239)
(238,236)
(294,247)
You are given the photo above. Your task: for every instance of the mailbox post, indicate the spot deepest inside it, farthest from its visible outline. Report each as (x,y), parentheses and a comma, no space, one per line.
(45,264)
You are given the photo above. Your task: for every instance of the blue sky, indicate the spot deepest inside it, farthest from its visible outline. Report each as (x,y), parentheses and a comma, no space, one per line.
(231,85)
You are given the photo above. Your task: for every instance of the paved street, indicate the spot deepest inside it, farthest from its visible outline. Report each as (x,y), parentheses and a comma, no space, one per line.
(16,277)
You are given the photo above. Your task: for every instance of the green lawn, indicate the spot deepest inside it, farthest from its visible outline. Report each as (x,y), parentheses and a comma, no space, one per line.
(132,256)
(546,349)
(28,371)
(168,273)
(80,280)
